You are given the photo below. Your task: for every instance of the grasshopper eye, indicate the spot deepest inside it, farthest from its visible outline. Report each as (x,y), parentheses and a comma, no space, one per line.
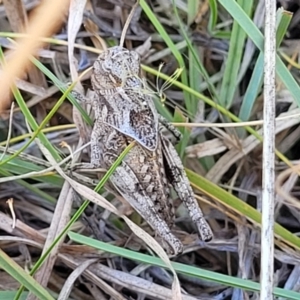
(144,104)
(107,65)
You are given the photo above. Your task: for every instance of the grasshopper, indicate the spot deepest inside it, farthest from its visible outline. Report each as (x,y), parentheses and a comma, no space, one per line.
(124,111)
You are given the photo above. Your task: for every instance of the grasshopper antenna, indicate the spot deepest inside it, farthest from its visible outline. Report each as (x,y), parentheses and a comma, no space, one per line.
(122,39)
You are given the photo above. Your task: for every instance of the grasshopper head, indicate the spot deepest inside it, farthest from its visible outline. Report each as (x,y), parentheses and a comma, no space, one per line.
(116,67)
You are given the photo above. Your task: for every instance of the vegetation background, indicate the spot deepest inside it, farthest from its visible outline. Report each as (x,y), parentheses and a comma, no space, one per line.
(216,101)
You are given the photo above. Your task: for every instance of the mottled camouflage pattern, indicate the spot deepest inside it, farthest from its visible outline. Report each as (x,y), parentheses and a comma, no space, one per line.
(124,111)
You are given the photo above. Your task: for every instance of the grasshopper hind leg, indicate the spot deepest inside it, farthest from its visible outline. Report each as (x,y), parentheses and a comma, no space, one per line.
(178,178)
(128,185)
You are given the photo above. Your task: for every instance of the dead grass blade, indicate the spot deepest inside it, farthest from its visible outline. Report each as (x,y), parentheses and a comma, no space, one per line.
(74,22)
(99,200)
(67,288)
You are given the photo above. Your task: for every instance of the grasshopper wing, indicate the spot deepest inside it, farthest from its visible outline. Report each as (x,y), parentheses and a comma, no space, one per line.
(132,115)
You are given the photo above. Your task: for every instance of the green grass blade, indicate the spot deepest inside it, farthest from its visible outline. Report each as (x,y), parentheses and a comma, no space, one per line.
(192,8)
(213,18)
(239,206)
(195,65)
(200,66)
(253,89)
(162,109)
(256,81)
(180,268)
(10,295)
(256,36)
(180,147)
(283,20)
(19,274)
(162,32)
(195,79)
(232,65)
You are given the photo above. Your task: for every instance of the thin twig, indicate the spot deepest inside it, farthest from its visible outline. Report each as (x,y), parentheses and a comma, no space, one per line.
(267,230)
